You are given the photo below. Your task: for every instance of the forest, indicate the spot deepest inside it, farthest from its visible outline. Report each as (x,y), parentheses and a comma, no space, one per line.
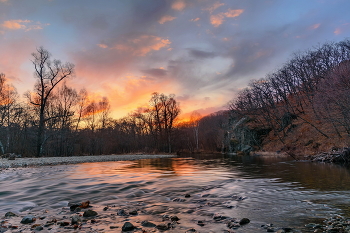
(302,107)
(57,120)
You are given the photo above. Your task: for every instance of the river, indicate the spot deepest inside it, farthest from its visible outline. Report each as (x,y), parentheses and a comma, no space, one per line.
(267,190)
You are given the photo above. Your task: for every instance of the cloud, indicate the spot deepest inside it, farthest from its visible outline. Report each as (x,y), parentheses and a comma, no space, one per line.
(233,13)
(155,72)
(214,7)
(26,25)
(178,5)
(195,20)
(338,31)
(166,18)
(218,19)
(15,24)
(104,46)
(315,26)
(201,54)
(142,45)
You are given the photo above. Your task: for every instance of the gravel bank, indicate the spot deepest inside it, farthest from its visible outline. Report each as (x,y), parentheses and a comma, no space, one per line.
(49,161)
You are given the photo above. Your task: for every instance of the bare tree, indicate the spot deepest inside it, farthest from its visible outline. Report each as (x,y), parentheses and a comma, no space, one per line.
(8,96)
(49,73)
(194,121)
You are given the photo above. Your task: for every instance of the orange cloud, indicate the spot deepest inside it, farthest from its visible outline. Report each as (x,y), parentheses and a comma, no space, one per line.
(15,24)
(22,24)
(102,46)
(195,20)
(218,19)
(143,45)
(166,18)
(178,5)
(233,13)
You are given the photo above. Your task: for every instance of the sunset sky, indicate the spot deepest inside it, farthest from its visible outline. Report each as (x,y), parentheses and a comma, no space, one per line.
(202,51)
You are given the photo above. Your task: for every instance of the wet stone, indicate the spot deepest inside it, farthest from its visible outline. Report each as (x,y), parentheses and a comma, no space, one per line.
(178,200)
(233,225)
(63,224)
(121,212)
(200,223)
(75,219)
(218,217)
(39,228)
(147,224)
(74,206)
(89,213)
(163,227)
(28,219)
(191,230)
(128,226)
(174,218)
(244,221)
(287,229)
(133,212)
(10,214)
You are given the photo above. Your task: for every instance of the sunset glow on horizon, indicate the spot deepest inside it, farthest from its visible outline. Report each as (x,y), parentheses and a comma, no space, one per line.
(202,51)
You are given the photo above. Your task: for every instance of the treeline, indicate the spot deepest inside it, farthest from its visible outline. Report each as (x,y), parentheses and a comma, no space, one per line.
(57,120)
(313,88)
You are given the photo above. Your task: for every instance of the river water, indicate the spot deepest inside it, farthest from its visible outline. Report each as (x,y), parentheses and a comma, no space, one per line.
(267,190)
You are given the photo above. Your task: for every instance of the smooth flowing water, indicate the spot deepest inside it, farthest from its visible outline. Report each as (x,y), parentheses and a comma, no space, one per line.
(265,190)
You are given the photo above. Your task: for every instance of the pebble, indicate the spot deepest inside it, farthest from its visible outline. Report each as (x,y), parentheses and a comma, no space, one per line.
(49,161)
(89,213)
(128,226)
(28,219)
(10,214)
(75,219)
(244,221)
(147,224)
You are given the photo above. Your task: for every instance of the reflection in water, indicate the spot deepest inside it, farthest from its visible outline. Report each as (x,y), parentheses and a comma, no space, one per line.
(266,190)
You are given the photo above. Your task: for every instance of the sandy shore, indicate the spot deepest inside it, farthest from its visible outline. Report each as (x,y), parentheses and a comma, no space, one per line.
(49,161)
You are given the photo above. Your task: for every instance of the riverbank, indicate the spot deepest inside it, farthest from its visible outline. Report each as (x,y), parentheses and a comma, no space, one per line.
(50,161)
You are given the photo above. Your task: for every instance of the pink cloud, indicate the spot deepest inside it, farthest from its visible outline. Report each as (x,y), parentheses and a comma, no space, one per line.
(102,46)
(143,45)
(26,25)
(178,5)
(233,13)
(15,24)
(338,31)
(218,19)
(315,26)
(166,18)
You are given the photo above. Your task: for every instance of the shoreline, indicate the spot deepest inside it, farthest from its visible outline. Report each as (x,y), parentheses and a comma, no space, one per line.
(51,161)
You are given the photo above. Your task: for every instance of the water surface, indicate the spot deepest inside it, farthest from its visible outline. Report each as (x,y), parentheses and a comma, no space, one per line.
(265,190)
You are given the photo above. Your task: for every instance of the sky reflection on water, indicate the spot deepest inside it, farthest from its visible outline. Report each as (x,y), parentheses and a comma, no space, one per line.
(266,190)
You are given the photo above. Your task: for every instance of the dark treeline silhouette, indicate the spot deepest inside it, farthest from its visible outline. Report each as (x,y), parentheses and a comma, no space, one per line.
(312,89)
(57,120)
